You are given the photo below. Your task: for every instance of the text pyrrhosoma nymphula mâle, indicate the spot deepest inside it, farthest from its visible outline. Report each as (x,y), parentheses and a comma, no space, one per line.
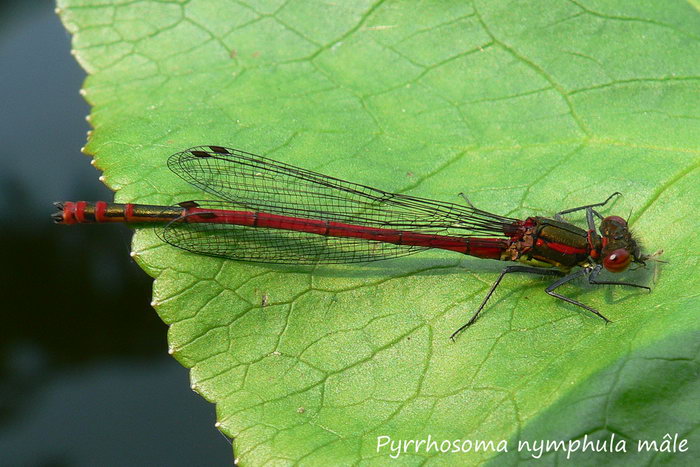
(272,212)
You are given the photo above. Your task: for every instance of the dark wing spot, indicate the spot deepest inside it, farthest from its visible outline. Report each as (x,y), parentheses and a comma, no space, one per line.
(219,149)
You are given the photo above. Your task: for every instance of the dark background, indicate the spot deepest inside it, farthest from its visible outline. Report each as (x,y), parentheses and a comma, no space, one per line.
(85,378)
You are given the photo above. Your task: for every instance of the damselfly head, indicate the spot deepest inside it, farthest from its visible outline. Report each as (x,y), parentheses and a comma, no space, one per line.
(620,249)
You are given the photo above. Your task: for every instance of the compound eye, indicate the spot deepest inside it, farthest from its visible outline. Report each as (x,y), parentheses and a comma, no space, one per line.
(616,220)
(618,260)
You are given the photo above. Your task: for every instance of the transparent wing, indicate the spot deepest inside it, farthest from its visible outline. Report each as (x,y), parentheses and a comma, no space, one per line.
(275,245)
(259,184)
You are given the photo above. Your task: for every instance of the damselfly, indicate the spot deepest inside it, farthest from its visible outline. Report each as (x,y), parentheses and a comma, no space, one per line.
(272,212)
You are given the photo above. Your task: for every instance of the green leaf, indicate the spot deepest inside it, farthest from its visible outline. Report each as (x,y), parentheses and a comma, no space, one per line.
(527,107)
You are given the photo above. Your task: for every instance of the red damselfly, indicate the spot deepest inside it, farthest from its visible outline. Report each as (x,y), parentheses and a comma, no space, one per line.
(268,211)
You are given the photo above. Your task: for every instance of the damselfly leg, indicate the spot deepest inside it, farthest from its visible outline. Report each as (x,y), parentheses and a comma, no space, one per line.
(466,200)
(592,274)
(558,215)
(590,212)
(506,270)
(569,278)
(597,270)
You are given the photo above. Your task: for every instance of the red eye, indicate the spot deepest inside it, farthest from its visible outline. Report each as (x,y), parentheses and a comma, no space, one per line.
(618,260)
